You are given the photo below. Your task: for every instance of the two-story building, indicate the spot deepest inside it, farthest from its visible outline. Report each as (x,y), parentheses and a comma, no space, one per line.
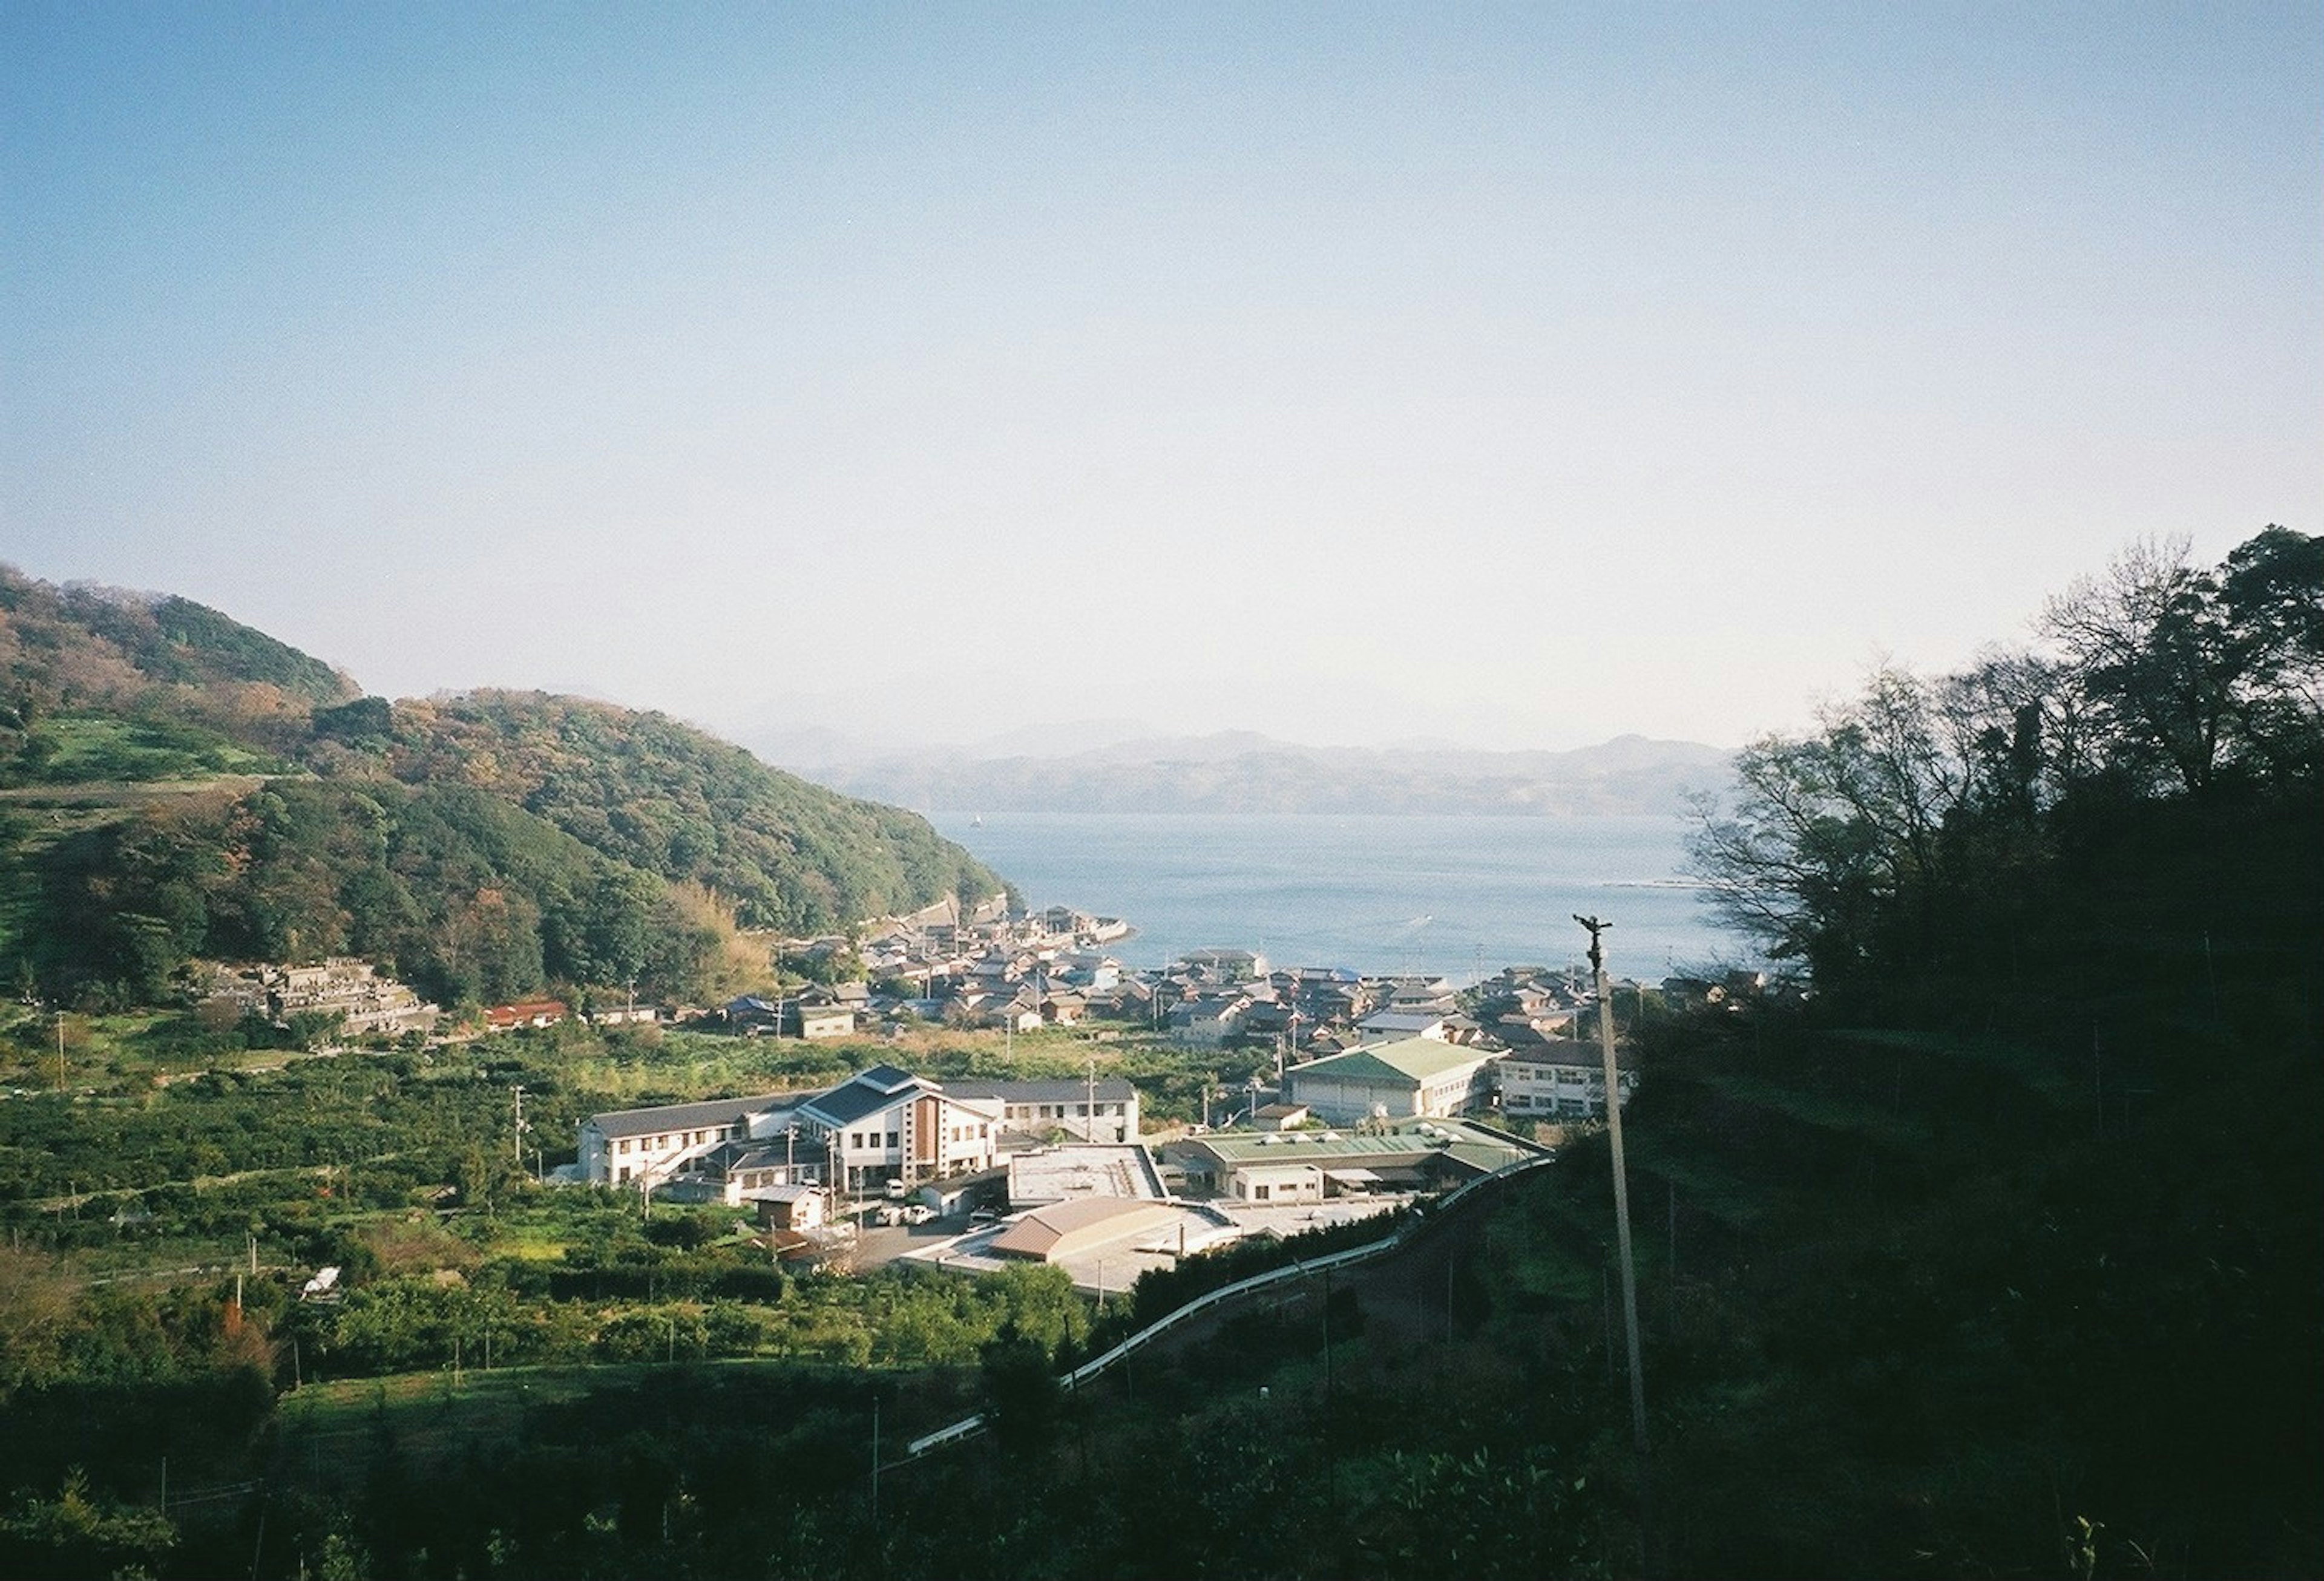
(1104,1111)
(1562,1082)
(631,1146)
(1210,1021)
(880,1124)
(884,1124)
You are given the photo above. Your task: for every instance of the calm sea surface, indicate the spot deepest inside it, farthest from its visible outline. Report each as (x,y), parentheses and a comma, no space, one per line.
(1461,896)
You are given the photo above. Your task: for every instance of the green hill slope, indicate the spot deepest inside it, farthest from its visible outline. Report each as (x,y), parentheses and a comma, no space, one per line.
(174,785)
(668,798)
(98,683)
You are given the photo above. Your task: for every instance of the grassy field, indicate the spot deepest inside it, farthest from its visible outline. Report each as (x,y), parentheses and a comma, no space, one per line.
(75,750)
(123,1054)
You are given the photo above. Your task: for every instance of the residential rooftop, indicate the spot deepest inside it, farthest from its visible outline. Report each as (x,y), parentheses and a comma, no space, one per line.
(1407,1059)
(1060,1089)
(1471,1144)
(687,1117)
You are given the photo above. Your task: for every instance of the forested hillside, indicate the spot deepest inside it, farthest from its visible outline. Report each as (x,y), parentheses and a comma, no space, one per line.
(2003,1255)
(174,785)
(665,797)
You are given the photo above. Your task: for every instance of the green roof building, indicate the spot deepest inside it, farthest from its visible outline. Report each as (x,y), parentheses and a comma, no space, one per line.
(1422,1078)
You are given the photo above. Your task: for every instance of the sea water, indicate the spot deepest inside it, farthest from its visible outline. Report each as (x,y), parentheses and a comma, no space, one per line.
(1458,897)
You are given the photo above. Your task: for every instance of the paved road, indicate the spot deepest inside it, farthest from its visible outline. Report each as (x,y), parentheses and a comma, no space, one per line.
(881,1244)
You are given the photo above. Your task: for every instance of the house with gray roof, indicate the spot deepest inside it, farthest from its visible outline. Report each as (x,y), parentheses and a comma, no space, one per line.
(1105,1110)
(626,1146)
(885,1124)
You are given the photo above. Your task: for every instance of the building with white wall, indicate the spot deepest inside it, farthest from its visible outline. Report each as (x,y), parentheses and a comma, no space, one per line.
(1562,1082)
(880,1124)
(1306,1166)
(885,1124)
(1412,1076)
(621,1147)
(1104,1111)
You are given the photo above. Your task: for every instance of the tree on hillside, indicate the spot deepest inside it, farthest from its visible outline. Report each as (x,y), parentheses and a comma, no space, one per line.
(1914,824)
(1837,837)
(2193,674)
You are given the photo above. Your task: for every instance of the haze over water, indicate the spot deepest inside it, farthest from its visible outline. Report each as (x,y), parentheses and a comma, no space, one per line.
(1456,895)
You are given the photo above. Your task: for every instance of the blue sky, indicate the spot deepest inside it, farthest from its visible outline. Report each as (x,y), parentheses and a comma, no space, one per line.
(1514,374)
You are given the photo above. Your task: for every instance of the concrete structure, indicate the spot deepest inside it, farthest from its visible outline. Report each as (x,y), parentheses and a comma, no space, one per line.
(1412,1076)
(1063,1174)
(623,1146)
(349,988)
(821,1020)
(1277,1180)
(1083,1228)
(1562,1082)
(1419,1155)
(884,1124)
(1105,1110)
(791,1208)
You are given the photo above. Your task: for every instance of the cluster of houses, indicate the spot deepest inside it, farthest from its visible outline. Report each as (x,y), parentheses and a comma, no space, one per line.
(1026,970)
(1064,1157)
(1360,1101)
(994,969)
(1348,1051)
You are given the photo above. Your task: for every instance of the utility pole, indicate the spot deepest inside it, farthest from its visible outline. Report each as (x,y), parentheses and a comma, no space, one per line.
(516,1142)
(1621,1182)
(1330,1403)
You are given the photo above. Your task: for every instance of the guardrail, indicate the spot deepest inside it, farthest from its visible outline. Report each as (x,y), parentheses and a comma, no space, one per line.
(968,1427)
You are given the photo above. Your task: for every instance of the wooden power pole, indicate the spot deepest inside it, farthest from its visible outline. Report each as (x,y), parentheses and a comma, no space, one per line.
(1621,1179)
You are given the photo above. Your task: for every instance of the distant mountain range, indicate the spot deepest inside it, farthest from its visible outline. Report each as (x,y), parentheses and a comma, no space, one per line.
(1242,771)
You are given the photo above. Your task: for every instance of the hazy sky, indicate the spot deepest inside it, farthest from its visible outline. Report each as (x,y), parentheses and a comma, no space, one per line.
(1518,374)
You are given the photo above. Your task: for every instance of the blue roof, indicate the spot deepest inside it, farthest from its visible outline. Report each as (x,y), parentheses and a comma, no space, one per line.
(866,1093)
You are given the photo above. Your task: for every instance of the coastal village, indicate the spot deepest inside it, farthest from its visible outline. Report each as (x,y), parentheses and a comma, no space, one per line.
(1362,1092)
(1365,1093)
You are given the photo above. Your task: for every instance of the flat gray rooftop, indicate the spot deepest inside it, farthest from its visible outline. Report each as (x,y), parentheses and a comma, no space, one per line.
(1060,1174)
